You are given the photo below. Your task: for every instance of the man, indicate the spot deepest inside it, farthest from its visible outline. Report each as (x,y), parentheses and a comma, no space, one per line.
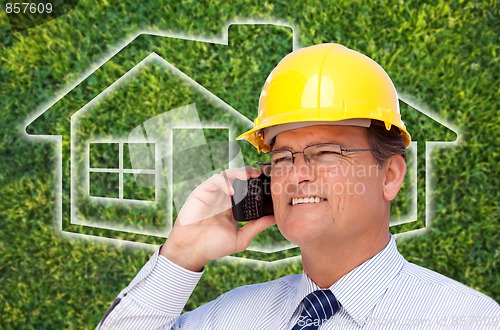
(330,118)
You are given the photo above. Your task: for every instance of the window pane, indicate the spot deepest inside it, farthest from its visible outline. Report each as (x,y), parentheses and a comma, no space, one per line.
(104,184)
(139,186)
(139,156)
(104,155)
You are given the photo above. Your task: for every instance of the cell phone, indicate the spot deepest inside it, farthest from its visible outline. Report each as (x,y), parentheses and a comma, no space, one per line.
(252,198)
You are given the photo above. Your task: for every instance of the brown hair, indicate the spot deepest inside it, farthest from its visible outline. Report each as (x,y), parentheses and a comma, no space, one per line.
(385,143)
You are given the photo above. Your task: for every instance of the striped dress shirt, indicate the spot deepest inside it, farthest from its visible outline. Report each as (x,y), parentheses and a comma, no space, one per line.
(385,292)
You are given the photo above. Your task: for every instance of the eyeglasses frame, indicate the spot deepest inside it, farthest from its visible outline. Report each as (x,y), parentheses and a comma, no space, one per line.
(306,159)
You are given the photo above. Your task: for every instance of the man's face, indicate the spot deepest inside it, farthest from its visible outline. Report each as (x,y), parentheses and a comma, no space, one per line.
(351,202)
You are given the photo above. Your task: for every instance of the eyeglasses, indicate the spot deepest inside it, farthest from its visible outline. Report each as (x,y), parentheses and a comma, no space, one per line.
(324,155)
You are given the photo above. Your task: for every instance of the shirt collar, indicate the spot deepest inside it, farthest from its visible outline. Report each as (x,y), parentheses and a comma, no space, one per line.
(359,290)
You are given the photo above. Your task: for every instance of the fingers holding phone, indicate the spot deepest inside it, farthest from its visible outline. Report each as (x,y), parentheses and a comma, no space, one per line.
(205,229)
(213,196)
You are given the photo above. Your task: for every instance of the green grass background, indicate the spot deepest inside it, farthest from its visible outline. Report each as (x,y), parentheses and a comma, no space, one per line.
(444,54)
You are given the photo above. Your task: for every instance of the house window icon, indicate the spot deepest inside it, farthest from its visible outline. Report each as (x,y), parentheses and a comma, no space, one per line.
(111,174)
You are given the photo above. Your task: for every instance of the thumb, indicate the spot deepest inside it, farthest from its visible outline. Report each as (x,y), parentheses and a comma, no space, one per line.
(252,229)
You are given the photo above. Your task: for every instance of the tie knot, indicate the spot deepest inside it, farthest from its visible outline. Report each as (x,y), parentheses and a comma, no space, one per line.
(319,306)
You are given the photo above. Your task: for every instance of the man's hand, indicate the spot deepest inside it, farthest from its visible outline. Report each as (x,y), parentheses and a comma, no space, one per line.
(205,229)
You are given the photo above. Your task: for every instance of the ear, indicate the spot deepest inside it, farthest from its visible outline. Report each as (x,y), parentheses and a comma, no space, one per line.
(395,170)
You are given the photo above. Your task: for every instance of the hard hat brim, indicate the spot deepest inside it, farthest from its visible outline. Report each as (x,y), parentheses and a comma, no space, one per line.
(259,138)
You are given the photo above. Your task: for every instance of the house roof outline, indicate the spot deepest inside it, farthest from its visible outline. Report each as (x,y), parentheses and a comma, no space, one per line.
(131,44)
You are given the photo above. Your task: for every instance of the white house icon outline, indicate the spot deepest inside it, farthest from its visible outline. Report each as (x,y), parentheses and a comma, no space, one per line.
(431,145)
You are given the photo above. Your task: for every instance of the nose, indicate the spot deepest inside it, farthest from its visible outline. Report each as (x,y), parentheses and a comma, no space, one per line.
(301,171)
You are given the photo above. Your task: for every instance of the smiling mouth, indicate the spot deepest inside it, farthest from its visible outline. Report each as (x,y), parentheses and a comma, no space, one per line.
(307,200)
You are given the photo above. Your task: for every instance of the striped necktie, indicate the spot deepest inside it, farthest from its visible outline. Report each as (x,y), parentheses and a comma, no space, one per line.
(319,306)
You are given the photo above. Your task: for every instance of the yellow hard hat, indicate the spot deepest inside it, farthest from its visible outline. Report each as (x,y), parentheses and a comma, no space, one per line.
(324,84)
